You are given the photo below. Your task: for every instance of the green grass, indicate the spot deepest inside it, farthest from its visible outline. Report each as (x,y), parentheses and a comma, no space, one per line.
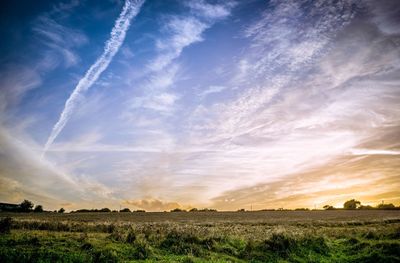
(108,240)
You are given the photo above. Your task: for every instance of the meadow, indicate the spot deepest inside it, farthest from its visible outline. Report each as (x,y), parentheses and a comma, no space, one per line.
(261,236)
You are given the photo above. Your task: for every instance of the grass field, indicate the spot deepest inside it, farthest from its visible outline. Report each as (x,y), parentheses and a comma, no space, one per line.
(270,236)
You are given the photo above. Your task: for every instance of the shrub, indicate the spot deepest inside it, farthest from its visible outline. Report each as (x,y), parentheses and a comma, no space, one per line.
(141,250)
(5,225)
(182,243)
(131,237)
(281,244)
(38,209)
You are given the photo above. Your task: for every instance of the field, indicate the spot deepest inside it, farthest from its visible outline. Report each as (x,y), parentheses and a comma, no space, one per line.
(267,236)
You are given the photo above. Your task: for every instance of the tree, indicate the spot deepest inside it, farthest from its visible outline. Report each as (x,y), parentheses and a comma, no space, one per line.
(351,204)
(125,210)
(26,206)
(62,210)
(38,209)
(328,207)
(178,210)
(366,207)
(386,206)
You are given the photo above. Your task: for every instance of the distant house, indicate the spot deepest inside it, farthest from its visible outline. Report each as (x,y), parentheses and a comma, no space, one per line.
(8,207)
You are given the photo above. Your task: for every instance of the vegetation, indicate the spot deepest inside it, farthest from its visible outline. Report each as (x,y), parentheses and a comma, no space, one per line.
(263,236)
(354,233)
(355,204)
(178,210)
(351,204)
(38,209)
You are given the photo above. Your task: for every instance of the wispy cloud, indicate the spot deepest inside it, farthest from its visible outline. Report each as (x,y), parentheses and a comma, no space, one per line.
(184,32)
(210,11)
(212,89)
(52,34)
(373,152)
(179,33)
(112,46)
(15,82)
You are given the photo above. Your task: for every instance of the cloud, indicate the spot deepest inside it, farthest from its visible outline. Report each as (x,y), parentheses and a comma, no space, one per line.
(112,46)
(180,32)
(25,175)
(15,82)
(184,32)
(297,113)
(367,179)
(313,121)
(215,11)
(52,34)
(385,15)
(373,152)
(211,90)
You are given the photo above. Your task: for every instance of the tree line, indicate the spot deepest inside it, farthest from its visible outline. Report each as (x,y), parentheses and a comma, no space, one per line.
(25,206)
(28,206)
(354,204)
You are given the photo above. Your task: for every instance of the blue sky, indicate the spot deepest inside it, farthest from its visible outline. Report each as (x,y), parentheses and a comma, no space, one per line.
(224,104)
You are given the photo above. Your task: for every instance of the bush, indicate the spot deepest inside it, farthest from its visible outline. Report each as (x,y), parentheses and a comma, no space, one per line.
(5,225)
(38,209)
(131,237)
(182,243)
(281,244)
(142,250)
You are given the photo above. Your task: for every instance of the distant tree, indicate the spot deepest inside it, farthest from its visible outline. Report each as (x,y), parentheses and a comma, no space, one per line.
(26,206)
(178,210)
(386,206)
(38,209)
(125,210)
(241,210)
(302,209)
(328,207)
(62,210)
(351,204)
(366,207)
(194,209)
(140,211)
(105,210)
(208,210)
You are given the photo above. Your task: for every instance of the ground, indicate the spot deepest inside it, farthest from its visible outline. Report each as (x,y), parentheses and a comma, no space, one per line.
(267,236)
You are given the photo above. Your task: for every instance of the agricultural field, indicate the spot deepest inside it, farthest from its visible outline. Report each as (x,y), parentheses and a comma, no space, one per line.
(264,236)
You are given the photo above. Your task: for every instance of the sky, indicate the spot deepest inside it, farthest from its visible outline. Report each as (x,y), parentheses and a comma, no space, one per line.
(161,104)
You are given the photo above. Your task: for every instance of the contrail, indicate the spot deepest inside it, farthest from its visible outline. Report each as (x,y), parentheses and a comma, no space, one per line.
(117,36)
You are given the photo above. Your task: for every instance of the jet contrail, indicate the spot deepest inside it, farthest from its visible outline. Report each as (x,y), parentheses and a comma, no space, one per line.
(117,36)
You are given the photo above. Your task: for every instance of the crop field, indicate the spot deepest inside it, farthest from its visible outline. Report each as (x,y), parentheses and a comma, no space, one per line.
(265,236)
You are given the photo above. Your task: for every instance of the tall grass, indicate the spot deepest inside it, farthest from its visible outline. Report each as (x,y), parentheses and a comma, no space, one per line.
(39,240)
